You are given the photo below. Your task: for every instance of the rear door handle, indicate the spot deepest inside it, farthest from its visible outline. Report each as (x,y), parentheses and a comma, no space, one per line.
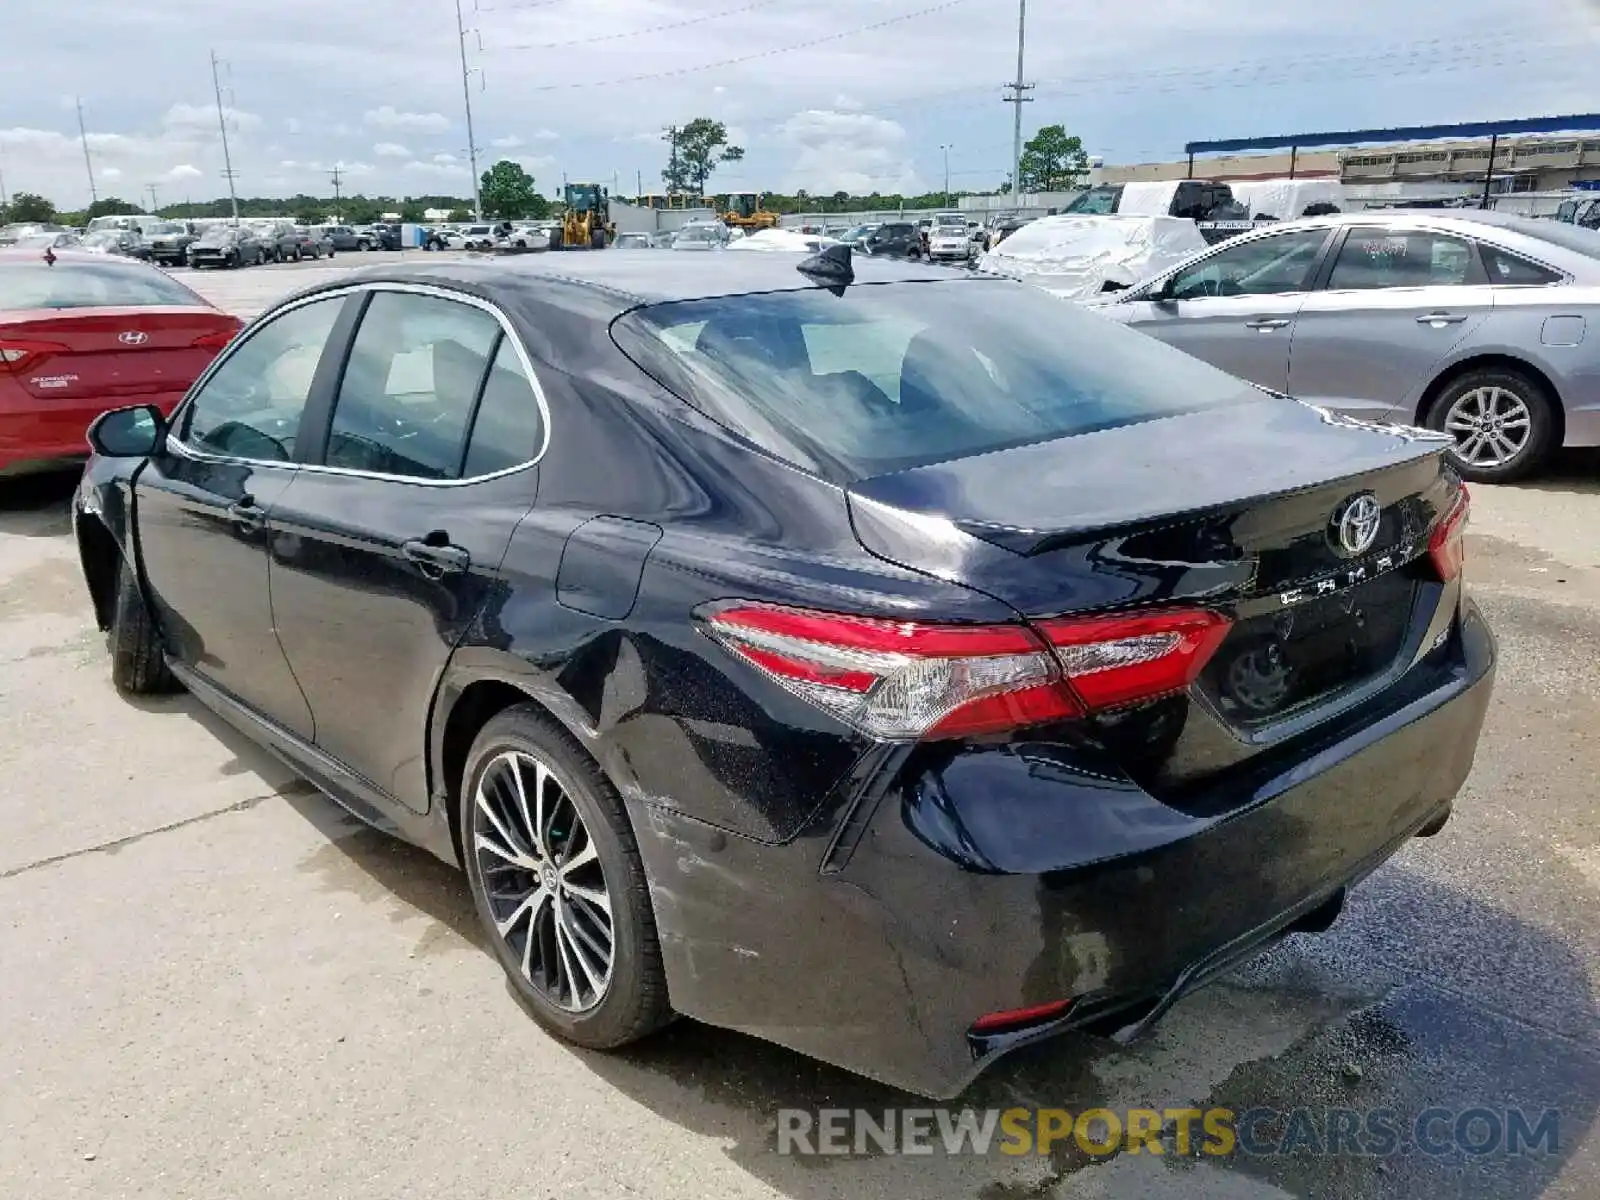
(1439,320)
(1268,323)
(247,514)
(436,559)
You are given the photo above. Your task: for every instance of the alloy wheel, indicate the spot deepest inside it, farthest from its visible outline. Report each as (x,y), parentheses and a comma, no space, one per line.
(542,880)
(1491,426)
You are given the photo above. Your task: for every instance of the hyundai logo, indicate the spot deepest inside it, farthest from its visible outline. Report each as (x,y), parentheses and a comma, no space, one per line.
(133,338)
(1355,524)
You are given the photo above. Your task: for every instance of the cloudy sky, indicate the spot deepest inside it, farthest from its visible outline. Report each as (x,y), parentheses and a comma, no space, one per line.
(823,94)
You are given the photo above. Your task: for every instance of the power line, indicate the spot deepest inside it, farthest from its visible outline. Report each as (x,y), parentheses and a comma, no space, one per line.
(1018,97)
(840,35)
(83,136)
(222,124)
(615,37)
(466,96)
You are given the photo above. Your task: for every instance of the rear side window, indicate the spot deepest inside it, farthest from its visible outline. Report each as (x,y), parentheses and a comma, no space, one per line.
(1382,258)
(410,385)
(894,376)
(1507,269)
(89,285)
(509,428)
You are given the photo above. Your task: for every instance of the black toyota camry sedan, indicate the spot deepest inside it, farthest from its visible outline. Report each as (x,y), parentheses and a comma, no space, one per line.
(896,664)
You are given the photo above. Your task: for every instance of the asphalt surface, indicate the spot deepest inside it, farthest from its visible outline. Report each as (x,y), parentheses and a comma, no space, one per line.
(215,984)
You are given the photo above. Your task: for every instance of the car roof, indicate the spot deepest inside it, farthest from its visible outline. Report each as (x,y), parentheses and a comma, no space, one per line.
(621,279)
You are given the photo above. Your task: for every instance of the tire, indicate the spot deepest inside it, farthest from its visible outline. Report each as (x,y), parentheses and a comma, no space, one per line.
(632,1000)
(235,260)
(1518,401)
(137,665)
(597,239)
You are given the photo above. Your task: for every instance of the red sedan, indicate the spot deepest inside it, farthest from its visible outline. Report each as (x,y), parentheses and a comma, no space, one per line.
(82,333)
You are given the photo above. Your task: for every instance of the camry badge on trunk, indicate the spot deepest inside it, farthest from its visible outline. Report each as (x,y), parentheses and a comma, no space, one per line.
(133,338)
(1355,524)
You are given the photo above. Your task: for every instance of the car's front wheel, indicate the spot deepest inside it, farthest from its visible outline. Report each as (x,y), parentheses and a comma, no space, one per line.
(137,665)
(558,883)
(1502,421)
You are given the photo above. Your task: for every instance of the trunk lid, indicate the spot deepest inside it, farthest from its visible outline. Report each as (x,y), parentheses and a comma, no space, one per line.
(112,354)
(1238,510)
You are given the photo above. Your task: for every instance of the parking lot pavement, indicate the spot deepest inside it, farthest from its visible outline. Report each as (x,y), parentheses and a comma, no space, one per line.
(215,984)
(246,291)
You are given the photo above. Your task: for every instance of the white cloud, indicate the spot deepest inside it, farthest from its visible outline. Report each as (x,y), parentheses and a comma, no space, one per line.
(110,172)
(185,171)
(292,124)
(445,160)
(450,169)
(509,142)
(845,102)
(387,117)
(202,118)
(391,150)
(851,152)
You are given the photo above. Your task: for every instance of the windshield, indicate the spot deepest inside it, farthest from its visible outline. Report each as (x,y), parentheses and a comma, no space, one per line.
(164,227)
(895,376)
(90,285)
(101,238)
(1097,201)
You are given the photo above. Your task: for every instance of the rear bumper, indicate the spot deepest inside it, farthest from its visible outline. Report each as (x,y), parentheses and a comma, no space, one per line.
(1103,895)
(38,436)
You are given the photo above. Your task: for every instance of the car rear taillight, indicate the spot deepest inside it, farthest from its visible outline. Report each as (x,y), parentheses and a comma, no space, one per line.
(215,340)
(904,680)
(15,354)
(1446,545)
(1117,660)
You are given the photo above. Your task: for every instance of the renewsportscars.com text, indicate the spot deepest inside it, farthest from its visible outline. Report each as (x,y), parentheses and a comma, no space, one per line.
(1184,1132)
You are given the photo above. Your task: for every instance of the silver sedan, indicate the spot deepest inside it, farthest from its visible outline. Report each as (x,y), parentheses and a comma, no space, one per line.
(1475,323)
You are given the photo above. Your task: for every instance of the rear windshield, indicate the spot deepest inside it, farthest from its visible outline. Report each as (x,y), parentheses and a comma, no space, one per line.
(89,285)
(893,376)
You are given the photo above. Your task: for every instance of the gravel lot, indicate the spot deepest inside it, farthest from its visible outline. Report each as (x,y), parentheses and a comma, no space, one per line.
(215,984)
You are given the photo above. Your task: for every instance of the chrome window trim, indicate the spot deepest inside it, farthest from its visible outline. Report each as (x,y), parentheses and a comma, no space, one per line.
(420,289)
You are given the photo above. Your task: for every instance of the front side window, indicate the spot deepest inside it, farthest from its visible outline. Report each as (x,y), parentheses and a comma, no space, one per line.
(413,378)
(1268,266)
(251,405)
(1372,259)
(894,376)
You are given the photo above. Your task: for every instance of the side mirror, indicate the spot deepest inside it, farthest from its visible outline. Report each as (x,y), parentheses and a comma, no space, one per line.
(128,432)
(1112,285)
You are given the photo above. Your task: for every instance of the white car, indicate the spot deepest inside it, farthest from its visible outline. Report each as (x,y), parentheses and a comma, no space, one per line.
(950,242)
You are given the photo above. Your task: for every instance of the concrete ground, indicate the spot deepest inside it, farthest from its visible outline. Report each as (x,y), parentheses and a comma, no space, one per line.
(215,984)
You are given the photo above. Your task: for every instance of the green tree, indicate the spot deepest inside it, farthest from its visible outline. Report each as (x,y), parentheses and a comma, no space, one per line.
(1053,160)
(458,215)
(29,206)
(697,150)
(111,206)
(508,192)
(411,212)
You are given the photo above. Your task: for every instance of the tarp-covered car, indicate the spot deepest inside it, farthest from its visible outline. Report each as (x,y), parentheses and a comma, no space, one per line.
(1076,257)
(783,239)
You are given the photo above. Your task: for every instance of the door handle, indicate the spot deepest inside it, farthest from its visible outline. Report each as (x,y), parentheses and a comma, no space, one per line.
(1439,320)
(247,514)
(436,559)
(1268,323)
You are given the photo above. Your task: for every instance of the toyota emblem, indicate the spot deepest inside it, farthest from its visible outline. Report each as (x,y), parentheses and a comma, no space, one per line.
(1355,524)
(133,338)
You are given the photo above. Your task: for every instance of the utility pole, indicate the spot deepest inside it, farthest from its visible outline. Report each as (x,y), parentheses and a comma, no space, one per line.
(1019,96)
(222,124)
(638,182)
(83,136)
(337,175)
(672,170)
(466,96)
(155,207)
(5,202)
(946,150)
